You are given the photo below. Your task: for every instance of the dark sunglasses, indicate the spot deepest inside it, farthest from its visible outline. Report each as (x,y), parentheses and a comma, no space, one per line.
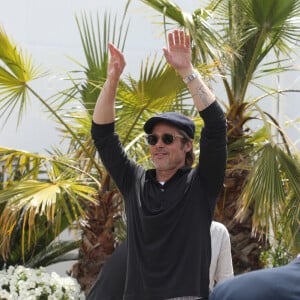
(167,138)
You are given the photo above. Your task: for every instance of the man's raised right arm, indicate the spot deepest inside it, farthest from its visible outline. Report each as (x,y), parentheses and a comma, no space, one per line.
(104,112)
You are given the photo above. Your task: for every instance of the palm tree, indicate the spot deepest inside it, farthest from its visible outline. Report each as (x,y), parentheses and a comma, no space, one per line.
(242,41)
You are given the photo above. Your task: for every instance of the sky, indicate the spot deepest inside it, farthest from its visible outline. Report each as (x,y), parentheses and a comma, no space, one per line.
(48,31)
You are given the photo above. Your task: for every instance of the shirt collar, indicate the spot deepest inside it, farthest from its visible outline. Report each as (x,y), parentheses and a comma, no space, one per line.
(151,173)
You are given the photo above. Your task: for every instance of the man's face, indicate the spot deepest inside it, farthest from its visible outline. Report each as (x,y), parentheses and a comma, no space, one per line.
(168,157)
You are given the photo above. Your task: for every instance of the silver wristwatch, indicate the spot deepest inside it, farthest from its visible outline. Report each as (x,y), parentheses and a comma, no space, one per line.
(191,77)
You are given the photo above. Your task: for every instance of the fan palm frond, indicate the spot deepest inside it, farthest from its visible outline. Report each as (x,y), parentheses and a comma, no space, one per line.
(16,70)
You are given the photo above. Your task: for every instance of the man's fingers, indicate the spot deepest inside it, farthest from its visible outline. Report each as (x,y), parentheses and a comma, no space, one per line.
(187,41)
(176,37)
(182,39)
(166,54)
(171,40)
(111,48)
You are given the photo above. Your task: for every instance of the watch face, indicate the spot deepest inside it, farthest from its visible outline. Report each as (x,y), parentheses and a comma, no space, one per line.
(191,77)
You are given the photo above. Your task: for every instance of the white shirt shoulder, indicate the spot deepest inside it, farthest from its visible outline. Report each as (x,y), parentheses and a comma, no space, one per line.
(221,260)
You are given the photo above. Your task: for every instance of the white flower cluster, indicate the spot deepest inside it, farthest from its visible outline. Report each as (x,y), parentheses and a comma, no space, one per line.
(18,283)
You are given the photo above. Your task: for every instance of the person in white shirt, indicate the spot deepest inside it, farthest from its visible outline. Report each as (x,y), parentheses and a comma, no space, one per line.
(221,266)
(111,280)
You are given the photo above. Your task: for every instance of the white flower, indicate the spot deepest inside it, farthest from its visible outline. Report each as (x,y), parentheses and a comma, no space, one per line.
(18,283)
(4,294)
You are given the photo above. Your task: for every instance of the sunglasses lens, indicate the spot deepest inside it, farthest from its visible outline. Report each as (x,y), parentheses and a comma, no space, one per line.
(167,139)
(152,139)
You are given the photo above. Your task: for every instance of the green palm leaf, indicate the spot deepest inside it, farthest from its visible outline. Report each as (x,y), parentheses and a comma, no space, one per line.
(265,189)
(201,31)
(54,253)
(277,18)
(273,174)
(87,82)
(41,240)
(95,47)
(16,71)
(34,198)
(260,31)
(40,186)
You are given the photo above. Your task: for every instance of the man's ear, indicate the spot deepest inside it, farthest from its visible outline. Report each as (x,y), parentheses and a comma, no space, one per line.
(188,146)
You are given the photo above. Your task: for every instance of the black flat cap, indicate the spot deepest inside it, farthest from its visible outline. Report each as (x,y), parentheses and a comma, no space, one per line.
(176,119)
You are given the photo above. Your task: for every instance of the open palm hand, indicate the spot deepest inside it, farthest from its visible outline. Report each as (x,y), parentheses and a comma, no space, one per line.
(116,63)
(179,53)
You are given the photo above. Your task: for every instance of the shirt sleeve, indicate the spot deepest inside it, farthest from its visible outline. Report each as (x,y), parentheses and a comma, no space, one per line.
(213,150)
(124,171)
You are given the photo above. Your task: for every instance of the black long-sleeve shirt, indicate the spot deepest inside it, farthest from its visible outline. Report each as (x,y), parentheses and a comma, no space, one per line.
(168,226)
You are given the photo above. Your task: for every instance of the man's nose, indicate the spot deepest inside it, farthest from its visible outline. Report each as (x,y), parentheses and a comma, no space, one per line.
(160,142)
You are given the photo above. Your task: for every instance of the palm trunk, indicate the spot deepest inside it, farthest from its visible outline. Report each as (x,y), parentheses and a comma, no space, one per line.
(98,237)
(246,247)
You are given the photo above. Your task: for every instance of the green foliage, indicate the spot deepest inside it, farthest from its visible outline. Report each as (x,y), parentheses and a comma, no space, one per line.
(277,255)
(16,70)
